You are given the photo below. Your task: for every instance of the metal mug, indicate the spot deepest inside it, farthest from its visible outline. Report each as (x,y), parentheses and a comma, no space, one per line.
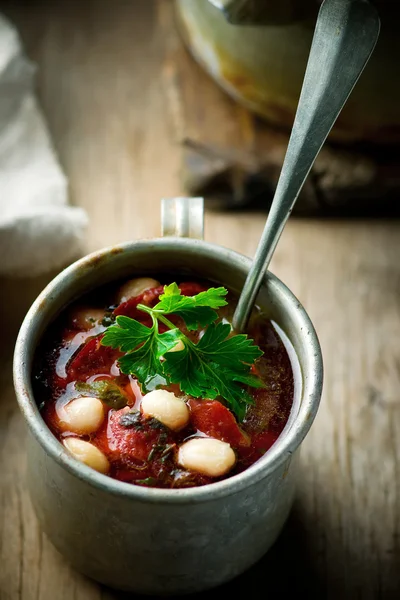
(162,541)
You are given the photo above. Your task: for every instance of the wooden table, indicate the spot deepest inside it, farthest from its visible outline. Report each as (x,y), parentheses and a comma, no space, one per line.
(101,82)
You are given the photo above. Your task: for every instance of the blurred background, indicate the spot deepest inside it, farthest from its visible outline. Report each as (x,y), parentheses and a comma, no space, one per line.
(144,99)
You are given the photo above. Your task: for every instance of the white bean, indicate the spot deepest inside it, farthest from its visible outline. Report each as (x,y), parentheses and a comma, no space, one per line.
(134,287)
(206,456)
(166,408)
(88,454)
(82,415)
(178,347)
(85,318)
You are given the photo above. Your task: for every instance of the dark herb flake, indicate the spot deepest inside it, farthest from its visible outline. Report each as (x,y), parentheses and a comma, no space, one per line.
(108,319)
(106,390)
(132,419)
(155,424)
(153,452)
(149,481)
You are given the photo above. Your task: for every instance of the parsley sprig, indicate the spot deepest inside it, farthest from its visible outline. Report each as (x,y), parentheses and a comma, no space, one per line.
(217,365)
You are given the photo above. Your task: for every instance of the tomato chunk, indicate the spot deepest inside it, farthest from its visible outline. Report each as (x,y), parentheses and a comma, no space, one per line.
(132,443)
(92,359)
(215,420)
(148,297)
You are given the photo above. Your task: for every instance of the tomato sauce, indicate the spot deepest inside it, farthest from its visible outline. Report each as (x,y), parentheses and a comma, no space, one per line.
(71,361)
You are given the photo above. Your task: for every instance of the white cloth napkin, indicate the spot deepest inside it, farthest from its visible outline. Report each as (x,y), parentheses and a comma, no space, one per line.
(39,231)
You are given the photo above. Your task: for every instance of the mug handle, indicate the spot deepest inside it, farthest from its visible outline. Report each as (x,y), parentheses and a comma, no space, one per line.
(182,217)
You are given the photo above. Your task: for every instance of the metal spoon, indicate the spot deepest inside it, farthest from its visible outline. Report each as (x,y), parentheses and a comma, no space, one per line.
(345,36)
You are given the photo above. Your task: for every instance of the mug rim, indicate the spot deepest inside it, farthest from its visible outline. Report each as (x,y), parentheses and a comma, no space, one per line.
(279,453)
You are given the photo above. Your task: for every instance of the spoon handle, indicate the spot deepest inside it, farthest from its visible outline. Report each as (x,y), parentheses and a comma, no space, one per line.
(345,36)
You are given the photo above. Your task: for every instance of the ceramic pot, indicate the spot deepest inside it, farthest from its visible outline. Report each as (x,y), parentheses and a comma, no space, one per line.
(260,60)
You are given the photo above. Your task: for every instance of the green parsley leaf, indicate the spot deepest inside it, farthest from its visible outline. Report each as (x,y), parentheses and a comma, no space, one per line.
(143,362)
(172,298)
(127,335)
(235,352)
(196,317)
(213,297)
(167,341)
(194,310)
(217,366)
(143,347)
(247,379)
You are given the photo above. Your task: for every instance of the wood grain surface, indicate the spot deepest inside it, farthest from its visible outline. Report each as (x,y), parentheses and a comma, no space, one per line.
(103,73)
